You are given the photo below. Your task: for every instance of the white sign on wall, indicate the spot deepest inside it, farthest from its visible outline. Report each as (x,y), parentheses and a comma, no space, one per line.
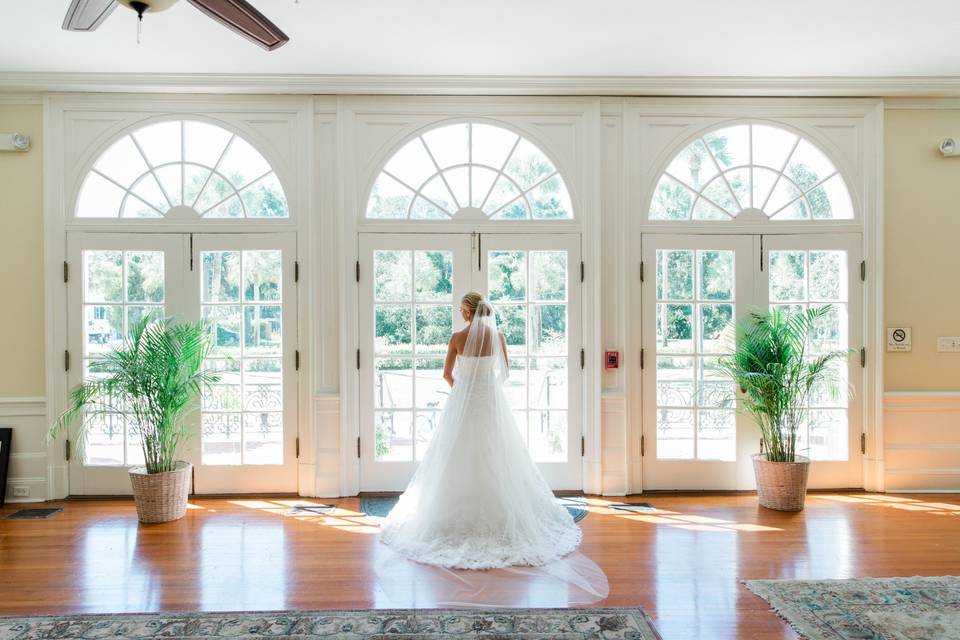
(898,339)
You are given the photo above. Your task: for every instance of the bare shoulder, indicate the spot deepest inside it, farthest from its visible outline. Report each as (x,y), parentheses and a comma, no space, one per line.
(459,339)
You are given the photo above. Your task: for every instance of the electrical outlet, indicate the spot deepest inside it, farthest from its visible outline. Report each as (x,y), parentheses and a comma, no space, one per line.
(21,492)
(948,344)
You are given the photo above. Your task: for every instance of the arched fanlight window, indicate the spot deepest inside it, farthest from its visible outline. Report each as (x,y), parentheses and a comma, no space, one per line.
(751,167)
(469,170)
(185,167)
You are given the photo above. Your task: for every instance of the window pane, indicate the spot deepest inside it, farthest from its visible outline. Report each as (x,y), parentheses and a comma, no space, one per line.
(548,329)
(434,326)
(716,275)
(548,436)
(716,323)
(391,278)
(674,381)
(548,383)
(427,422)
(512,323)
(224,323)
(393,329)
(549,274)
(716,435)
(515,386)
(145,276)
(674,328)
(221,439)
(674,275)
(263,438)
(105,441)
(261,275)
(221,276)
(393,432)
(674,434)
(262,384)
(393,383)
(788,281)
(103,277)
(433,275)
(507,275)
(103,328)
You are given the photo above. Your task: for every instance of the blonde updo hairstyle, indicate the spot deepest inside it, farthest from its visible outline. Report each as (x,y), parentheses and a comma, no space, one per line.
(474,304)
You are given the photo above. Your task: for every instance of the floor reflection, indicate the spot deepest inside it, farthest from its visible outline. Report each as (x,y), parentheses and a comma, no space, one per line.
(116,570)
(243,565)
(571,581)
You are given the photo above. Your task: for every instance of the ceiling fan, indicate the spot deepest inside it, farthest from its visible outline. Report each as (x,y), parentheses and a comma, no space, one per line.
(238,15)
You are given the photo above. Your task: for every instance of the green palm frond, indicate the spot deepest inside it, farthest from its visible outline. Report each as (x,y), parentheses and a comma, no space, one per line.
(153,381)
(769,359)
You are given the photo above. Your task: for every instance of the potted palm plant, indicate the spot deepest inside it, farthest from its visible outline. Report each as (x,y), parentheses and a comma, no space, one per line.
(772,365)
(153,380)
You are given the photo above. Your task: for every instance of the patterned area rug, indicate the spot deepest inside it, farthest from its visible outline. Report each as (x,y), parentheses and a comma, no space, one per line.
(873,608)
(380,506)
(605,624)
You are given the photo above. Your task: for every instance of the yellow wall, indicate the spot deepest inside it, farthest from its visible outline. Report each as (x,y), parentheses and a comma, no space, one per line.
(922,269)
(21,257)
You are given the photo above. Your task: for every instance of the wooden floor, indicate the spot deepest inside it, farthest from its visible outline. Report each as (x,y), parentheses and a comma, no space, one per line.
(684,563)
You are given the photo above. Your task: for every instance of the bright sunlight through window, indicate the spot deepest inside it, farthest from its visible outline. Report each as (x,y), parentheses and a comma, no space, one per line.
(469,170)
(751,166)
(192,167)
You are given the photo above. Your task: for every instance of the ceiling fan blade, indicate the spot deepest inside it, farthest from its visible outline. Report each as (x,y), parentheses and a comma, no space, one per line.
(86,15)
(240,16)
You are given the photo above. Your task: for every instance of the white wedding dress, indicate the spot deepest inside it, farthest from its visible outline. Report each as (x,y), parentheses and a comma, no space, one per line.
(477,500)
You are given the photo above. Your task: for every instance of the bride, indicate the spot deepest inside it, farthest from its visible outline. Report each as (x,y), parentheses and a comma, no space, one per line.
(478,501)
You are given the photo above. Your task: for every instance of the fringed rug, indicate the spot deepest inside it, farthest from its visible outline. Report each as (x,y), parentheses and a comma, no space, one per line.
(601,624)
(874,608)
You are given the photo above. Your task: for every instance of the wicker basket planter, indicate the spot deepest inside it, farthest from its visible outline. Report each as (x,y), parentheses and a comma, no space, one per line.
(161,497)
(781,486)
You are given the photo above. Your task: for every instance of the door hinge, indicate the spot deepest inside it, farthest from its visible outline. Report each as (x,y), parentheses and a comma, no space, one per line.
(66,360)
(863,271)
(863,443)
(66,450)
(583,446)
(296,360)
(296,271)
(297,447)
(641,271)
(358,446)
(66,271)
(863,356)
(641,358)
(583,358)
(358,271)
(583,271)
(643,446)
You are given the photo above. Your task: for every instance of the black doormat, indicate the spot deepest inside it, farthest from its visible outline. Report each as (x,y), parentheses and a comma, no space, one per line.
(33,514)
(632,507)
(311,509)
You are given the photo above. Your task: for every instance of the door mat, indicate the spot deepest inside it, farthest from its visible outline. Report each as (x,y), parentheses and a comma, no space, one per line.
(33,514)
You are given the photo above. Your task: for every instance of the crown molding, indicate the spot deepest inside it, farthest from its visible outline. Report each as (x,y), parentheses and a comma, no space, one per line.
(912,86)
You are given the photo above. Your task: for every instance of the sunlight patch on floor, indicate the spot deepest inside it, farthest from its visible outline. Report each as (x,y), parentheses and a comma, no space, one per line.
(896,502)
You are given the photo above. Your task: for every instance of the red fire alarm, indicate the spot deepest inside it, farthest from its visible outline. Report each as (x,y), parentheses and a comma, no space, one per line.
(611,360)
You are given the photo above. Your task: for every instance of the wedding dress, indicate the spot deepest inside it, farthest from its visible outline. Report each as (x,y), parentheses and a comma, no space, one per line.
(477,500)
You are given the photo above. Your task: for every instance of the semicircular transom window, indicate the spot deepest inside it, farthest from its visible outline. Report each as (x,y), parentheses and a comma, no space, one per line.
(469,170)
(181,167)
(751,167)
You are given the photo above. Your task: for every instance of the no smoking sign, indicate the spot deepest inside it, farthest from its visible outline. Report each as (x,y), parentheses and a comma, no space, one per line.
(898,339)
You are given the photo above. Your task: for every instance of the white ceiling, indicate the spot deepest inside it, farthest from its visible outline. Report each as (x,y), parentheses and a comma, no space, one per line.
(509,37)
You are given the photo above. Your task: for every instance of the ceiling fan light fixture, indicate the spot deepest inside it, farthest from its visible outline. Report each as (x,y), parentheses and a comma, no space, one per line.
(147,6)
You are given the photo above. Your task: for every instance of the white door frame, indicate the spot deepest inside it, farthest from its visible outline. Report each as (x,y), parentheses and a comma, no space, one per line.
(473,246)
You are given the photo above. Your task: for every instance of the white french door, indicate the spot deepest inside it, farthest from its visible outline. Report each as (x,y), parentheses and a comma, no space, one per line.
(696,287)
(409,295)
(242,285)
